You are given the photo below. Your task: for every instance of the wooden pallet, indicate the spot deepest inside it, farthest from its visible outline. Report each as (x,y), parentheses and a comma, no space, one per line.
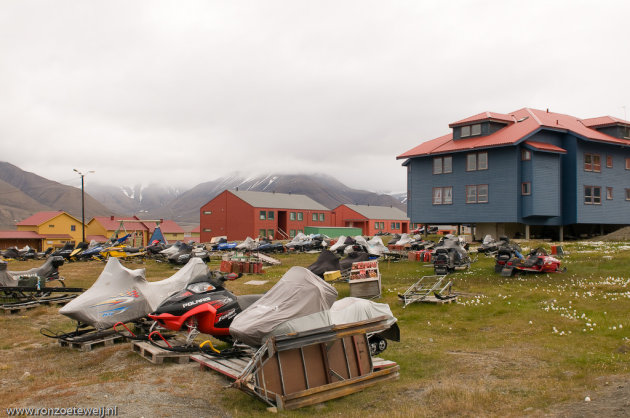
(19,308)
(157,355)
(92,344)
(230,367)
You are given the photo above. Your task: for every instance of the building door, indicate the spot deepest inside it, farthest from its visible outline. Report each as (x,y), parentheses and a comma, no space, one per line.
(282,223)
(405,228)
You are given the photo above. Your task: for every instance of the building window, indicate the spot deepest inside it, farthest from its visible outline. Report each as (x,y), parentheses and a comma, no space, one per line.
(471,162)
(322,217)
(477,193)
(393,225)
(592,162)
(300,216)
(627,194)
(207,212)
(73,227)
(263,215)
(526,155)
(397,225)
(263,233)
(292,216)
(443,195)
(475,129)
(270,215)
(207,230)
(437,195)
(609,161)
(465,131)
(526,188)
(477,161)
(314,217)
(609,193)
(292,233)
(51,226)
(592,195)
(270,233)
(626,132)
(627,163)
(376,225)
(442,165)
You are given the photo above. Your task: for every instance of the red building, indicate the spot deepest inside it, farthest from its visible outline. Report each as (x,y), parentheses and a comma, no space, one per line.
(372,219)
(241,214)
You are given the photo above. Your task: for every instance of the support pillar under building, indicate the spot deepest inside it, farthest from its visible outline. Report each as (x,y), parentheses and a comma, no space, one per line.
(526,231)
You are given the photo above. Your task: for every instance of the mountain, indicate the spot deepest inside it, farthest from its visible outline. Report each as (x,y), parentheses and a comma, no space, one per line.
(134,199)
(24,194)
(321,188)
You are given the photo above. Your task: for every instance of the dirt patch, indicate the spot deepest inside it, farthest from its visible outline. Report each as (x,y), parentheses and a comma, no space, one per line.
(611,398)
(622,234)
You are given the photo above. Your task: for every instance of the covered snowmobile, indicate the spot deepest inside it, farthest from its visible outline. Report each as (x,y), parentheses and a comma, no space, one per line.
(298,293)
(124,295)
(346,311)
(248,245)
(327,261)
(450,255)
(34,285)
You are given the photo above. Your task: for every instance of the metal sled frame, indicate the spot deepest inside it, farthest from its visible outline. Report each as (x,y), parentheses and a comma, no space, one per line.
(425,287)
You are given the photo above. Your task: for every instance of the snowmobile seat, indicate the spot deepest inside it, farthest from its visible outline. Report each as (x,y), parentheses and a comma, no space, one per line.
(245,301)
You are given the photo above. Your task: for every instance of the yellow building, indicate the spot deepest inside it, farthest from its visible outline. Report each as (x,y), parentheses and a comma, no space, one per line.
(57,227)
(101,228)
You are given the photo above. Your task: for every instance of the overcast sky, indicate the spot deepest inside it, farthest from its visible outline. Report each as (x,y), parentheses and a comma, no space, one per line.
(181,92)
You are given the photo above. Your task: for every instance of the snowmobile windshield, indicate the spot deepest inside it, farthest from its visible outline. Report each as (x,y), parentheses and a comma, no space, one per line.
(487,240)
(298,293)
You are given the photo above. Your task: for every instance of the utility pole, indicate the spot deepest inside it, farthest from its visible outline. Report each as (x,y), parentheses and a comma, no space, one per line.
(82,202)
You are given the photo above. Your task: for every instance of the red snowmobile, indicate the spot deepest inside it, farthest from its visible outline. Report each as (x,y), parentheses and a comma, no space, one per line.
(538,261)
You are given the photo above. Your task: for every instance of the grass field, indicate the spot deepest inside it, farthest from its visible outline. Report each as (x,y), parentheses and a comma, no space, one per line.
(510,346)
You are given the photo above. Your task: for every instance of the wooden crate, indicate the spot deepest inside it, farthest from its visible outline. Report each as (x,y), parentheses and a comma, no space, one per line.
(302,369)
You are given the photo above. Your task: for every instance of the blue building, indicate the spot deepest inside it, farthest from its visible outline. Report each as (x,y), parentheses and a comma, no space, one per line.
(526,171)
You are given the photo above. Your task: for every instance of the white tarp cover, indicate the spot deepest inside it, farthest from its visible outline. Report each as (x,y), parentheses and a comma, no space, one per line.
(172,250)
(248,244)
(343,311)
(298,293)
(404,239)
(122,295)
(375,246)
(340,241)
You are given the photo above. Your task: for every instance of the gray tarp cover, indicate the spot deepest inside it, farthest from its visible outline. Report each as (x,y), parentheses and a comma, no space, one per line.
(343,311)
(11,278)
(122,295)
(248,244)
(298,293)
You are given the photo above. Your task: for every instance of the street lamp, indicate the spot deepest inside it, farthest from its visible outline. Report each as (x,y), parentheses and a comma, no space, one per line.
(82,202)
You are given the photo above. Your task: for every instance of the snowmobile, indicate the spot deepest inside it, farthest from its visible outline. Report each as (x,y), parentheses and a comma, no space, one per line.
(186,252)
(75,254)
(538,261)
(121,295)
(302,242)
(301,301)
(22,254)
(203,306)
(153,250)
(35,284)
(267,246)
(506,252)
(490,246)
(450,255)
(65,251)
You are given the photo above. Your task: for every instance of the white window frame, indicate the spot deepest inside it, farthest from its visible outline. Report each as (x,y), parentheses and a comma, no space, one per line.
(591,199)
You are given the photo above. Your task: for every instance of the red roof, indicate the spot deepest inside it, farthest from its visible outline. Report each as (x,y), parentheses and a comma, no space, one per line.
(167,226)
(113,224)
(527,122)
(543,146)
(197,229)
(499,117)
(97,238)
(39,218)
(20,235)
(604,121)
(57,236)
